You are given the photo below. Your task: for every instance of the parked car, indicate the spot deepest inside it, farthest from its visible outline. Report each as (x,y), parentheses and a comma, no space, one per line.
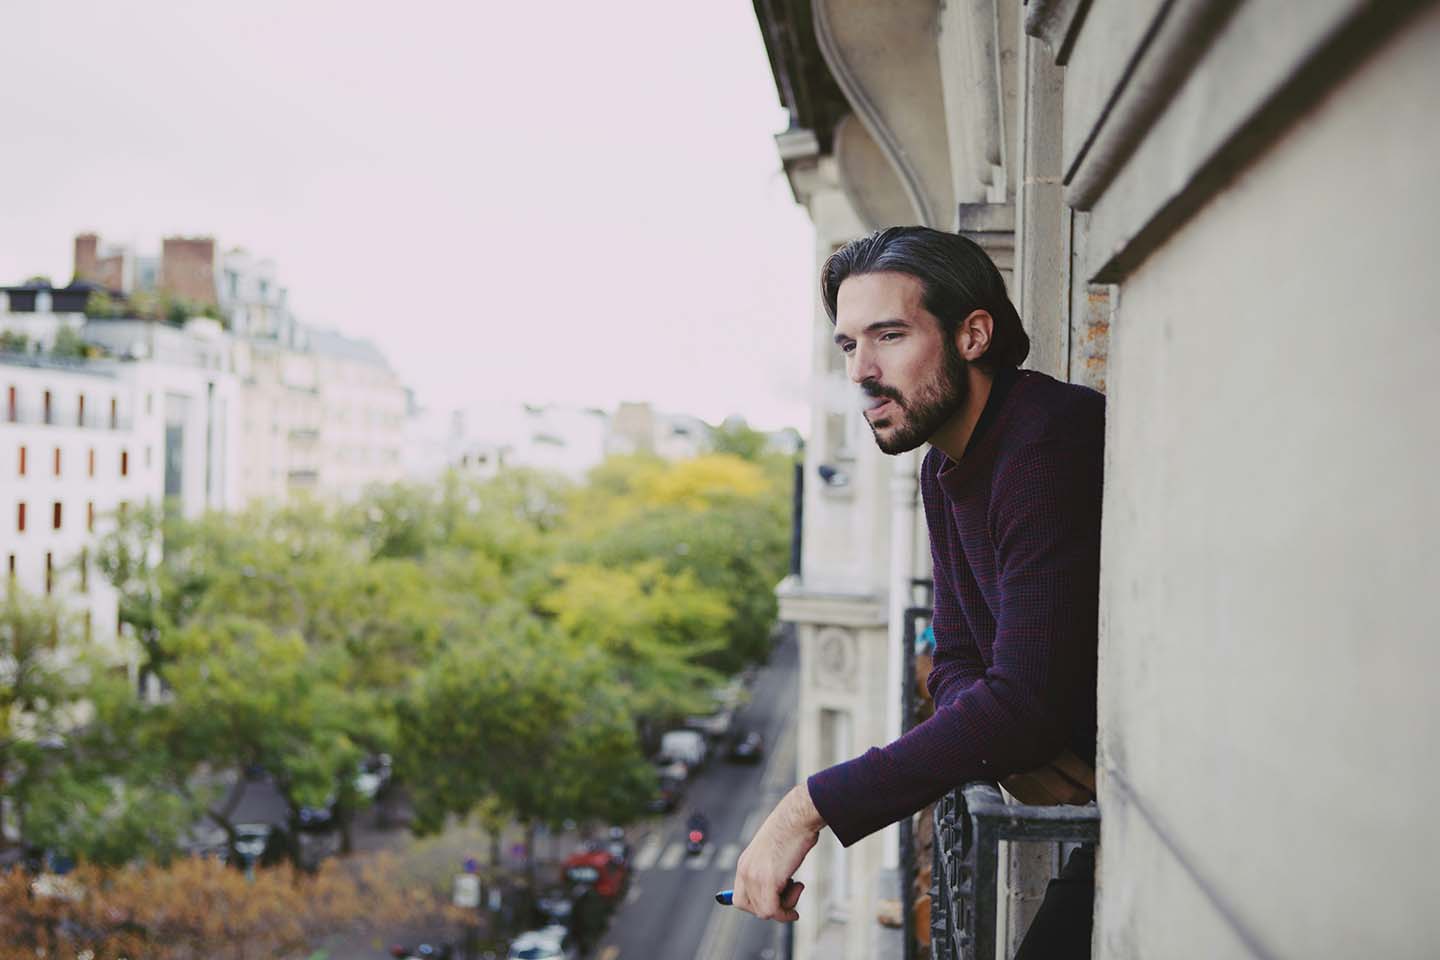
(251,840)
(598,868)
(547,943)
(713,725)
(371,776)
(374,773)
(423,951)
(686,746)
(745,747)
(668,794)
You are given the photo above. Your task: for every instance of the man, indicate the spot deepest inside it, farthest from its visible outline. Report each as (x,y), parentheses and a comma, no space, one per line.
(1011,487)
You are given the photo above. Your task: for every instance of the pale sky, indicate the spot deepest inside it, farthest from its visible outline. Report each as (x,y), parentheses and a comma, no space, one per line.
(570,202)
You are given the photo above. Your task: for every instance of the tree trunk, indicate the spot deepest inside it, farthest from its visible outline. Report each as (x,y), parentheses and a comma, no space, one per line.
(530,865)
(345,819)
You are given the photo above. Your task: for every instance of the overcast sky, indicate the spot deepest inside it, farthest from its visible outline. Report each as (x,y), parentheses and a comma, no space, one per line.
(569,202)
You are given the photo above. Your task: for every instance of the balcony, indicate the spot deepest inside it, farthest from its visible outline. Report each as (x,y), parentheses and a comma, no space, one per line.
(34,414)
(967,826)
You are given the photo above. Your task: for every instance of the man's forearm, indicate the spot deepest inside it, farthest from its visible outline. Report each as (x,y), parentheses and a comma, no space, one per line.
(800,810)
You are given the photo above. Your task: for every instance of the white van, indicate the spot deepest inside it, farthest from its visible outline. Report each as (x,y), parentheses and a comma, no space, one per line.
(686,746)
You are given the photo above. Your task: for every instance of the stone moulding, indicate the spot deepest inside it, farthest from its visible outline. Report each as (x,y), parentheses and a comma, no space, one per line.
(1056,23)
(863,100)
(1209,85)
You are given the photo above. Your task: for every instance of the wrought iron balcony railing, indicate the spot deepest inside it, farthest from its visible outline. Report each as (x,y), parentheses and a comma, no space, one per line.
(969,825)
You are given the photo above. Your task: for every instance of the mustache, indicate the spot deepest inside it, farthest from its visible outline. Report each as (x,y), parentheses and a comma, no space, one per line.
(875,390)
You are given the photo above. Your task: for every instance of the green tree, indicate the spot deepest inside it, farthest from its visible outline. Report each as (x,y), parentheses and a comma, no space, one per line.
(242,694)
(509,718)
(737,438)
(66,735)
(652,627)
(101,306)
(68,343)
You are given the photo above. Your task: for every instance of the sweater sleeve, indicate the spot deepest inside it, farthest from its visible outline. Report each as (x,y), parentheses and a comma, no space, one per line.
(957,661)
(1013,717)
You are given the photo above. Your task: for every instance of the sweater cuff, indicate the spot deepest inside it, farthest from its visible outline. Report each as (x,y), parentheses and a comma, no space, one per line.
(838,793)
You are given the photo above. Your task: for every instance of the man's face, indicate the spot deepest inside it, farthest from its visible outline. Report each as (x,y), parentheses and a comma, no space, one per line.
(912,375)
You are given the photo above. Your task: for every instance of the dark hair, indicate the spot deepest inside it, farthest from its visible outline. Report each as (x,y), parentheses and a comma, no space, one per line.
(957,275)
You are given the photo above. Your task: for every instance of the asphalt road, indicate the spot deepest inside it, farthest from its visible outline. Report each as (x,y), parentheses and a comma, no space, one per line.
(670,913)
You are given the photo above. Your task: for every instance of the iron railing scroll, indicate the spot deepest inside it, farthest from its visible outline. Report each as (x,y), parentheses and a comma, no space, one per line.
(969,824)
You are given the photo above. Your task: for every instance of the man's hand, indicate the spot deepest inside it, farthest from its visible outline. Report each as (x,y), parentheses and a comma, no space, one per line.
(776,852)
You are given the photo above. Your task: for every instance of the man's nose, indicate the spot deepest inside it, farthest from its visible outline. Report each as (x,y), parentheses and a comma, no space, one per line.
(862,366)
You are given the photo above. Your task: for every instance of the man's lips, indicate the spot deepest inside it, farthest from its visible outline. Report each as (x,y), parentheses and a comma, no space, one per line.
(877,404)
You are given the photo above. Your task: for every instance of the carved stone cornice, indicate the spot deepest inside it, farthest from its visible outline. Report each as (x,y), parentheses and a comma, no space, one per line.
(885,60)
(1056,23)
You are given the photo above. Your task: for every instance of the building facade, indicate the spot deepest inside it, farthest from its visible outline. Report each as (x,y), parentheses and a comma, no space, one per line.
(1220,214)
(80,443)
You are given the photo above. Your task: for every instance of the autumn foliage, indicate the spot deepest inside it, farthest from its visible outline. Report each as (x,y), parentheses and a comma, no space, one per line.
(198,908)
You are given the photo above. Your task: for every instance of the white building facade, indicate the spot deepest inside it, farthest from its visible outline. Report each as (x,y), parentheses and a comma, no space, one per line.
(79,445)
(1222,215)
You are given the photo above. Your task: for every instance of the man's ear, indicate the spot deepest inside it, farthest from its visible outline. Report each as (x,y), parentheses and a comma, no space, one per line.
(972,336)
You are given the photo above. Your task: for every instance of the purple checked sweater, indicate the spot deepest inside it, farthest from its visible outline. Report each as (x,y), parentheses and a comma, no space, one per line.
(1015,536)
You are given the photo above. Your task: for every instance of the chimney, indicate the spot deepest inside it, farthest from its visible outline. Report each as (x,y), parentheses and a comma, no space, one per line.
(87,247)
(187,269)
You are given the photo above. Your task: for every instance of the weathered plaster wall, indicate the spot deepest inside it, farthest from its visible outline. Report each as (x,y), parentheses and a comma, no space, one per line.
(1269,558)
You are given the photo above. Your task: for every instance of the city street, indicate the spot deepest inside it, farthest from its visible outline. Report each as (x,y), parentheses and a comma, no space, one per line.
(670,913)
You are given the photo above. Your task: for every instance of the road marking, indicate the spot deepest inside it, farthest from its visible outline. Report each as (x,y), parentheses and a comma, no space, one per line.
(702,860)
(633,895)
(672,857)
(609,953)
(728,855)
(649,853)
(718,943)
(717,931)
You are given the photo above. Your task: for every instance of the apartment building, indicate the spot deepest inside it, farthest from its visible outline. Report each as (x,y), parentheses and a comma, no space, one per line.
(80,443)
(324,417)
(1222,215)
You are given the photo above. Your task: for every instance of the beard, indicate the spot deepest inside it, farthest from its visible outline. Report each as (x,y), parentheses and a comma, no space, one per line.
(929,407)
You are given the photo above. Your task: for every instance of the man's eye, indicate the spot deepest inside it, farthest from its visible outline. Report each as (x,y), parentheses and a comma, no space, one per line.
(847,348)
(887,337)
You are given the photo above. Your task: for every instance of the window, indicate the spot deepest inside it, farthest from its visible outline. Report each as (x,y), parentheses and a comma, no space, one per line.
(149,404)
(90,516)
(92,461)
(114,414)
(48,411)
(12,566)
(147,456)
(57,514)
(123,509)
(12,405)
(20,518)
(22,459)
(84,570)
(49,572)
(57,461)
(80,412)
(89,628)
(124,463)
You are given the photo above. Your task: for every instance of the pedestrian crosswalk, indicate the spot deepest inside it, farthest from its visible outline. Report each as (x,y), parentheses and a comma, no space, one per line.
(655,854)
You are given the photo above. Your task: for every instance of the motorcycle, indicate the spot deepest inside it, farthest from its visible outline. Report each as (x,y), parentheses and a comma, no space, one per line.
(695,837)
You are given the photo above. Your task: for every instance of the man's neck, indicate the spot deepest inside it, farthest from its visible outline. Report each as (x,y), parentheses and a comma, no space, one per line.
(952,438)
